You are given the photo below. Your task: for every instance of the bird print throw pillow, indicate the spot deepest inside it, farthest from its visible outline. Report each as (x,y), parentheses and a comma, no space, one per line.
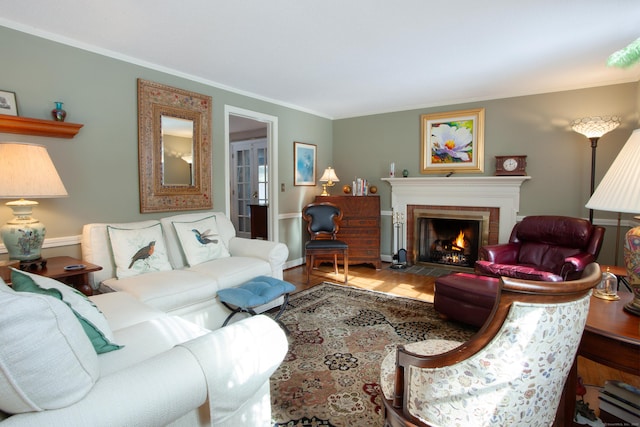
(200,240)
(138,251)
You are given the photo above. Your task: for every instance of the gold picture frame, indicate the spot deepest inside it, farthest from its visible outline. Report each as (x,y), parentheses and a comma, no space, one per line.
(452,142)
(156,102)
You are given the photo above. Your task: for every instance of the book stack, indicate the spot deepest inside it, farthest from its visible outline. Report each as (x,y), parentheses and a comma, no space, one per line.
(620,402)
(360,187)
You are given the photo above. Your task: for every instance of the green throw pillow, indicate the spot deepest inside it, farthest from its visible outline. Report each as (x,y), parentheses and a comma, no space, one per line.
(90,318)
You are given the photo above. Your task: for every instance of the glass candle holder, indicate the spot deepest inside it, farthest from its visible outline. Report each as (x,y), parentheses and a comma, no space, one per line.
(608,287)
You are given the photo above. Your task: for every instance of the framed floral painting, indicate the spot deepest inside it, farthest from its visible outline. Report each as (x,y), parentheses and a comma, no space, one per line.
(452,141)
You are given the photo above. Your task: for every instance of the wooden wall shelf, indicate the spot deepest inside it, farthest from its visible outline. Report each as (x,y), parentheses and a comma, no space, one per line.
(38,127)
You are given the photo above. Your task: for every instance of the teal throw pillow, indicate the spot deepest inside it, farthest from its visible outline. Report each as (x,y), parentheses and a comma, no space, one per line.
(92,320)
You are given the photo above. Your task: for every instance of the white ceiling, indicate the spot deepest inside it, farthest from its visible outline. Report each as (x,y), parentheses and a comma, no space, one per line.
(340,58)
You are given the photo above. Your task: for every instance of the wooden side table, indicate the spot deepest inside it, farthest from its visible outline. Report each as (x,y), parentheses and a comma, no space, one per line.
(78,279)
(611,337)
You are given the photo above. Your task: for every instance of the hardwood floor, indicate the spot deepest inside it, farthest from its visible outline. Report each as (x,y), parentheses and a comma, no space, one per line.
(400,283)
(386,279)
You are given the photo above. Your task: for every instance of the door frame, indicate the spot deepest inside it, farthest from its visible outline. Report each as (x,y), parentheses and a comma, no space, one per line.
(272,153)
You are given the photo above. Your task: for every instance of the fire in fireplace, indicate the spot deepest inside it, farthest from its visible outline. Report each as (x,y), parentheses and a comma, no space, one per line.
(450,238)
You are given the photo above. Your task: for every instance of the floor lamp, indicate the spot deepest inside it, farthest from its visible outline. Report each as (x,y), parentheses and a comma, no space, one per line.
(619,191)
(593,128)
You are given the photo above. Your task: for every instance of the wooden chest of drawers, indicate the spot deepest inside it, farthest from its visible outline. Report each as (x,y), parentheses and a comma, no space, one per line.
(360,227)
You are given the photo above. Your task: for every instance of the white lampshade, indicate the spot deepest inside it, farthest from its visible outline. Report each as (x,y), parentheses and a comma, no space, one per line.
(595,127)
(619,190)
(26,170)
(329,175)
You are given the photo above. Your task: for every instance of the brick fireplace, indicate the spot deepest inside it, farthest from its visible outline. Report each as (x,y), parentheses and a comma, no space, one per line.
(492,201)
(449,235)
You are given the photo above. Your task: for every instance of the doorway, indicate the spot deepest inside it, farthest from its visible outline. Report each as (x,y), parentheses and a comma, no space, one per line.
(251,171)
(249,186)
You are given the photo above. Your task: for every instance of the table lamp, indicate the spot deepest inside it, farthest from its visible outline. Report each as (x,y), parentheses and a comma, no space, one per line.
(329,178)
(619,191)
(26,171)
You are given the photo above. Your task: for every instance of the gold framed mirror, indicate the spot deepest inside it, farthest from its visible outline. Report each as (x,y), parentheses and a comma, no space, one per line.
(174,148)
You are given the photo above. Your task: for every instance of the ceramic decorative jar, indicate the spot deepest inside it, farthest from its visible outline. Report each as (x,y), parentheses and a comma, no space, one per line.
(58,113)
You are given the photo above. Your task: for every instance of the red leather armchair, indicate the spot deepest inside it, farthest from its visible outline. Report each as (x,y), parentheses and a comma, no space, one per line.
(543,248)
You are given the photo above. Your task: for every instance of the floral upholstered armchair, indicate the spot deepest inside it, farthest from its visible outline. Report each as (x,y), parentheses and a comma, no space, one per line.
(512,372)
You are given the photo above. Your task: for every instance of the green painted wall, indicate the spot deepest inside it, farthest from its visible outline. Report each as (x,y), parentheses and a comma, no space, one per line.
(99,166)
(559,160)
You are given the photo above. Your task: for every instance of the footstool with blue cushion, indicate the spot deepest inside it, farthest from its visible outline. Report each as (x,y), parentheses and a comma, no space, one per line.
(254,293)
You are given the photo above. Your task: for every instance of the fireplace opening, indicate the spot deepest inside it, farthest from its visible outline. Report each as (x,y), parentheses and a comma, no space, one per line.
(450,239)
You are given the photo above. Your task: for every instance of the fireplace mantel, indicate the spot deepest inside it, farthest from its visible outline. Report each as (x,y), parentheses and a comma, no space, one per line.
(501,192)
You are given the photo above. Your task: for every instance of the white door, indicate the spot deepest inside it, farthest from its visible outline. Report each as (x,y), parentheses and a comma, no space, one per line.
(249,181)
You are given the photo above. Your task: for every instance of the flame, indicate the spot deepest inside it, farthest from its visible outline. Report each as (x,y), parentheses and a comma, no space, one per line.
(459,242)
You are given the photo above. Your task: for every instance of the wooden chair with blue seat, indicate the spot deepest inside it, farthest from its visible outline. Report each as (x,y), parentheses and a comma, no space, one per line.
(323,222)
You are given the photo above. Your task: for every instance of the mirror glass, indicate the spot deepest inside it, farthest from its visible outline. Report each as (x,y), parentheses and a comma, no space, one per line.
(174,148)
(177,150)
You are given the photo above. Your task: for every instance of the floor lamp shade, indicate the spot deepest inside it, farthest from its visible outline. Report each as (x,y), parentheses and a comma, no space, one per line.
(26,171)
(619,191)
(594,128)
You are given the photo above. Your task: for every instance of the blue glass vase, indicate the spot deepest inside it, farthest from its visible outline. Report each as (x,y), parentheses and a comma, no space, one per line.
(58,113)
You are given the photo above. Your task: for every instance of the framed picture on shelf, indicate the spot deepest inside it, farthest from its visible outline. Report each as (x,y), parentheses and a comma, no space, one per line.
(304,164)
(8,103)
(452,141)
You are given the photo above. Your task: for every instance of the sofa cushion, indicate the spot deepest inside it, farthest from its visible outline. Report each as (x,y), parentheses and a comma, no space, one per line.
(96,248)
(233,271)
(545,256)
(200,240)
(138,250)
(554,230)
(168,290)
(91,319)
(525,272)
(225,229)
(123,310)
(146,339)
(47,360)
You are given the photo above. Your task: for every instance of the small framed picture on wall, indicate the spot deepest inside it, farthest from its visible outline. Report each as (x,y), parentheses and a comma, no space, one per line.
(304,164)
(8,103)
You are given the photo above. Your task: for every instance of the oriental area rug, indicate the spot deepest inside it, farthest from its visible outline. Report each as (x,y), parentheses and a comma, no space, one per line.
(338,338)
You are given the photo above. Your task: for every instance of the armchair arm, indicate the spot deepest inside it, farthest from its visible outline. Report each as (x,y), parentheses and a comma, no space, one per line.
(506,253)
(227,367)
(575,264)
(237,361)
(155,392)
(273,252)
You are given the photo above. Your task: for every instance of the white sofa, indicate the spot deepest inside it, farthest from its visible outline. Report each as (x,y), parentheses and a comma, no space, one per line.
(169,372)
(186,291)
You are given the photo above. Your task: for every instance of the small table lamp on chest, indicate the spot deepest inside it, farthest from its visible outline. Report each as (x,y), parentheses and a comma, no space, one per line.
(26,171)
(619,191)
